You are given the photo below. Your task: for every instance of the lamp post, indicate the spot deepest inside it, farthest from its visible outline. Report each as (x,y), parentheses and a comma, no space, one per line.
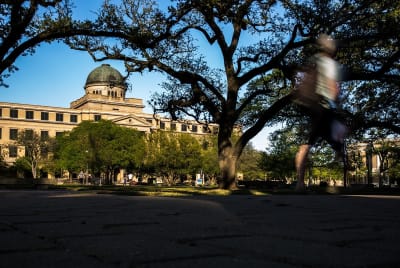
(87,166)
(368,152)
(345,164)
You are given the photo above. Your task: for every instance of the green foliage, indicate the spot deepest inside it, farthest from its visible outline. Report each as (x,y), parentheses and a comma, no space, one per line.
(248,164)
(36,149)
(278,161)
(173,156)
(102,146)
(388,152)
(210,158)
(23,165)
(323,164)
(3,164)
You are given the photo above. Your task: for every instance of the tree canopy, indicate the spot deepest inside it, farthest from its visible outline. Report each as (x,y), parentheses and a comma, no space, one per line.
(100,146)
(278,161)
(36,149)
(172,156)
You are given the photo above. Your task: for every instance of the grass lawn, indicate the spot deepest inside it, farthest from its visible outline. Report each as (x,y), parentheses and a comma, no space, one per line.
(153,190)
(181,191)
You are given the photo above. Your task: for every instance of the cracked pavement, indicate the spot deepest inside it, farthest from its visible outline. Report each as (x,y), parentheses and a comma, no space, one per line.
(44,228)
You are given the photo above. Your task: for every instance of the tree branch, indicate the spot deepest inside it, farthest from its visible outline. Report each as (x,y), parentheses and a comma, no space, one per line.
(264,117)
(51,36)
(274,62)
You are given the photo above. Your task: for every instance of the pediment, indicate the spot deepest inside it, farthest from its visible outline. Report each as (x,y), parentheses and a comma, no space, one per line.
(131,120)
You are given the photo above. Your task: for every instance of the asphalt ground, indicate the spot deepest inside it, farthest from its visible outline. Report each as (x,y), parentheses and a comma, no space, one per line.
(58,228)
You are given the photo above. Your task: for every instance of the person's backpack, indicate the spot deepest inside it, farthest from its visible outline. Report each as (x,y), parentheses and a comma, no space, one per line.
(304,93)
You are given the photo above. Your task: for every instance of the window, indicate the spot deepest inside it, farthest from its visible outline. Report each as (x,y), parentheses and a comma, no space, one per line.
(162,125)
(44,153)
(44,134)
(73,118)
(29,134)
(183,127)
(1,112)
(97,117)
(206,129)
(173,126)
(59,117)
(13,134)
(59,133)
(194,128)
(1,133)
(44,116)
(29,114)
(13,113)
(12,151)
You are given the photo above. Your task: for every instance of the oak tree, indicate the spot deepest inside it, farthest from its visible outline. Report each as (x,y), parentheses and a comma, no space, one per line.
(101,147)
(36,149)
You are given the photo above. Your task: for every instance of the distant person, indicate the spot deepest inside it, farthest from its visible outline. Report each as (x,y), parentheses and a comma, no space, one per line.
(324,120)
(125,179)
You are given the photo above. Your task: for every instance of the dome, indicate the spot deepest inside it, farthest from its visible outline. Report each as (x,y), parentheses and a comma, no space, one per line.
(105,74)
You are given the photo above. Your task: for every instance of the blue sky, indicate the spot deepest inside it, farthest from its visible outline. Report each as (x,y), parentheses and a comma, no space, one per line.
(55,75)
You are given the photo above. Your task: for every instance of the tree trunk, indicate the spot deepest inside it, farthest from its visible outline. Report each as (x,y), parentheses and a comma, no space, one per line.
(227,163)
(34,169)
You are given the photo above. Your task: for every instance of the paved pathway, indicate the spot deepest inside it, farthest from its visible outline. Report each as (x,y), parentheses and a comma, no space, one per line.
(64,229)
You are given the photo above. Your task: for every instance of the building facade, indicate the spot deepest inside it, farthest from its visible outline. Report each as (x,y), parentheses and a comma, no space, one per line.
(374,162)
(104,98)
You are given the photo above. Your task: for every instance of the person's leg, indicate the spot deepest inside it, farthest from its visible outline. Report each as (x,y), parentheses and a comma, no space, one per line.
(335,137)
(301,159)
(317,116)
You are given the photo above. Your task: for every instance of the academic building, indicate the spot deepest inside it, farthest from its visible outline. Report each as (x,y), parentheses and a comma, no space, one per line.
(104,98)
(377,160)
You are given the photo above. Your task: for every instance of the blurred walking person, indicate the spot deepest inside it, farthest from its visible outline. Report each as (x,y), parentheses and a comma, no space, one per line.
(323,111)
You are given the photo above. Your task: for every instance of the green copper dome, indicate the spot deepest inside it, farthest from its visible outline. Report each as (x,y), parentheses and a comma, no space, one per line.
(105,74)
